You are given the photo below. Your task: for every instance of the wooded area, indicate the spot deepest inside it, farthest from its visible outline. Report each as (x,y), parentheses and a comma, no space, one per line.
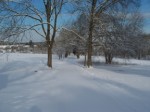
(112,28)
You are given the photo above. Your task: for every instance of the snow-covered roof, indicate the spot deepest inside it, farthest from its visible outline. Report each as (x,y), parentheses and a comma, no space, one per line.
(3,46)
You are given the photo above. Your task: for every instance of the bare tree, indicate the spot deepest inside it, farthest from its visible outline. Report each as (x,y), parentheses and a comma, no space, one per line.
(77,36)
(94,11)
(44,18)
(94,8)
(119,33)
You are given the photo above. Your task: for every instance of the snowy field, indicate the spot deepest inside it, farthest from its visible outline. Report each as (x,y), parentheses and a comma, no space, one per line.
(28,85)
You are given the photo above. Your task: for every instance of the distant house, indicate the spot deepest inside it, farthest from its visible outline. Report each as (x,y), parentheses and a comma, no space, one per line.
(36,47)
(2,48)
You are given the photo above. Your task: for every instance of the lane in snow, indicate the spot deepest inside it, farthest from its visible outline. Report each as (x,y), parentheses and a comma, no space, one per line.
(28,85)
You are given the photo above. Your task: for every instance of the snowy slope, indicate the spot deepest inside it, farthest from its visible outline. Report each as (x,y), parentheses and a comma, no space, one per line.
(28,85)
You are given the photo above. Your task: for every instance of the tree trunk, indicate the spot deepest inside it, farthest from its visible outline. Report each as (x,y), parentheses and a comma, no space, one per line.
(66,54)
(91,26)
(89,57)
(49,63)
(85,59)
(139,55)
(108,57)
(78,55)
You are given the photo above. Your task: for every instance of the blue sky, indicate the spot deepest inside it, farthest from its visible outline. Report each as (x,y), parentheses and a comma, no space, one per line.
(145,10)
(66,18)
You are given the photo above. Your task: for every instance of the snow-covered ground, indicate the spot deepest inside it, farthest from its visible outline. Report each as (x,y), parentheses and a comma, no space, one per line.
(28,85)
